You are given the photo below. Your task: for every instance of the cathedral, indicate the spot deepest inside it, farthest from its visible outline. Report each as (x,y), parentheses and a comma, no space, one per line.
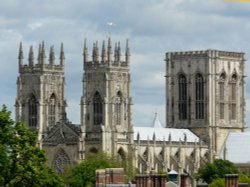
(204,102)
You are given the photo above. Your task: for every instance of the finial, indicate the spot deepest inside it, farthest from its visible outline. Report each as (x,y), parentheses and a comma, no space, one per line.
(31,56)
(138,136)
(85,51)
(127,52)
(95,52)
(62,57)
(20,54)
(169,137)
(109,50)
(42,54)
(104,55)
(52,55)
(116,53)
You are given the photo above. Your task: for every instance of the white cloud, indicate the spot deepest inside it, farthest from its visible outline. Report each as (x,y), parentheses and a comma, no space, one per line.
(34,26)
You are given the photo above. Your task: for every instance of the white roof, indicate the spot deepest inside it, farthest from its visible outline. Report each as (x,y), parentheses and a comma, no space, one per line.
(238,147)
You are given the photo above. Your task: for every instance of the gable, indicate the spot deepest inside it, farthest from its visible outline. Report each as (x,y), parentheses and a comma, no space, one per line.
(62,133)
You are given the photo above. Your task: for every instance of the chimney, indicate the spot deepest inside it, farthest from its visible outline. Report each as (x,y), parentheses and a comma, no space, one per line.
(231,180)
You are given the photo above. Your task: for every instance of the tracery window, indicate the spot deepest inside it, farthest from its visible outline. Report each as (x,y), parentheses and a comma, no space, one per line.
(232,110)
(222,95)
(118,106)
(52,110)
(199,97)
(97,107)
(61,160)
(32,112)
(182,97)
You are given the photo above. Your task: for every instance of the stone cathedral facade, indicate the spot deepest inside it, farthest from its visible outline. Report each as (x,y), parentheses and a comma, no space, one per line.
(204,102)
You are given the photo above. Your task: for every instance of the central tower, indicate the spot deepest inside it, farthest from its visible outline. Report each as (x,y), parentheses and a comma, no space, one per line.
(106,100)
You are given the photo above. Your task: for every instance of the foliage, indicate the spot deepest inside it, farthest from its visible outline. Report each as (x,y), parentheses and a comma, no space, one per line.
(215,170)
(21,162)
(219,182)
(84,173)
(243,178)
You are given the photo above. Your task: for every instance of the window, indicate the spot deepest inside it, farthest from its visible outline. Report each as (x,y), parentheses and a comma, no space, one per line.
(61,161)
(33,112)
(182,97)
(97,107)
(118,104)
(233,97)
(52,110)
(222,95)
(199,97)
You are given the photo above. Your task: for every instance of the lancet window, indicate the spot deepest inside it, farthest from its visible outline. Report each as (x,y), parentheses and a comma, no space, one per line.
(97,107)
(233,97)
(52,110)
(32,112)
(182,97)
(199,97)
(222,95)
(118,108)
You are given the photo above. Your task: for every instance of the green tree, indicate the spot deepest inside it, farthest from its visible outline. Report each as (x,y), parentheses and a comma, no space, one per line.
(84,174)
(215,170)
(21,162)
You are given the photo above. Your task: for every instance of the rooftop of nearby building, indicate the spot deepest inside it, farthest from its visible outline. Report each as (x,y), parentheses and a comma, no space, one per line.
(160,133)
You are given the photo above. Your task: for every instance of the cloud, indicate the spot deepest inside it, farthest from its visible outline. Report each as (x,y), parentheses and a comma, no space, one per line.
(34,26)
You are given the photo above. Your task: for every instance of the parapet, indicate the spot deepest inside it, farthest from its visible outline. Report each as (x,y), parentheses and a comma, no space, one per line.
(41,64)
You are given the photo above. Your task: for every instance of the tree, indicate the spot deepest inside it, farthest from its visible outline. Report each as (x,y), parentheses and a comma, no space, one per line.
(218,169)
(84,173)
(21,162)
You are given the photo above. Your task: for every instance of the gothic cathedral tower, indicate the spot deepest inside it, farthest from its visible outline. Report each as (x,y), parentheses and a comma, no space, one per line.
(205,93)
(40,90)
(106,101)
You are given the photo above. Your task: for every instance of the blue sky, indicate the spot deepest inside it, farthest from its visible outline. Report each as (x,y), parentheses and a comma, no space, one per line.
(153,27)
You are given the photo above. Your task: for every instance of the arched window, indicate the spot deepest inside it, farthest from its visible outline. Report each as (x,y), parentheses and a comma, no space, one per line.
(199,97)
(97,107)
(52,110)
(182,97)
(232,110)
(118,106)
(33,112)
(61,160)
(222,95)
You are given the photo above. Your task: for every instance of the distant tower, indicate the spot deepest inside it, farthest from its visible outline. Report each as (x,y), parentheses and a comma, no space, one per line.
(106,101)
(40,90)
(205,93)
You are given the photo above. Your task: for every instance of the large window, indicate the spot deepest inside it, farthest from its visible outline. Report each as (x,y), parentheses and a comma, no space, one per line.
(118,106)
(97,107)
(199,97)
(52,110)
(32,112)
(233,97)
(222,95)
(182,97)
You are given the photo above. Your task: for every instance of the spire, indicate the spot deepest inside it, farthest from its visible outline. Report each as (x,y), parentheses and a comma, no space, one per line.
(42,54)
(104,55)
(156,122)
(118,52)
(31,56)
(95,52)
(109,51)
(85,51)
(169,137)
(52,56)
(62,57)
(127,52)
(20,54)
(116,55)
(39,53)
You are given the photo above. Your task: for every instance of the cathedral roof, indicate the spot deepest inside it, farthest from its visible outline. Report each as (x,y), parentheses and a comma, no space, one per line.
(237,147)
(167,134)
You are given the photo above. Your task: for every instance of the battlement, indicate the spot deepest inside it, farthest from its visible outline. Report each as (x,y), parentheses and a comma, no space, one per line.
(106,59)
(205,53)
(41,64)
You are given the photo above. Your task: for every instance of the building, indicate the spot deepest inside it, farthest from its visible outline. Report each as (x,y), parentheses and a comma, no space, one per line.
(202,108)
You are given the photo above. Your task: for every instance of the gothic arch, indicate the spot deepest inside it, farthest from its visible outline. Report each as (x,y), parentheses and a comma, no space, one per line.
(118,100)
(121,154)
(183,98)
(52,110)
(199,96)
(33,111)
(97,109)
(61,160)
(222,80)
